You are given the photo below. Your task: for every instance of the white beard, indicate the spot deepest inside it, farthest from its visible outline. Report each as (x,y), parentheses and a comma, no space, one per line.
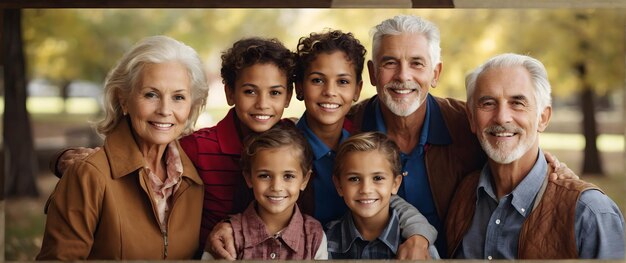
(501,156)
(402,107)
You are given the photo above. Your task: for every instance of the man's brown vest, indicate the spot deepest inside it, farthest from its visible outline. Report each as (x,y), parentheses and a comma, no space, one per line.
(547,233)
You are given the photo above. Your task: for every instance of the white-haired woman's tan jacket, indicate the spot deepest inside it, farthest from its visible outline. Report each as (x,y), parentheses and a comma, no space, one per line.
(102,208)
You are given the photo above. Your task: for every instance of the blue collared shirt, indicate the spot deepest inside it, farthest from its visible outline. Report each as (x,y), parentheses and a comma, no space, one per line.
(494,232)
(345,241)
(415,187)
(322,176)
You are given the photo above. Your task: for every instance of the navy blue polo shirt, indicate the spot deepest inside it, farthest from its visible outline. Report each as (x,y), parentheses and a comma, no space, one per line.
(326,195)
(415,187)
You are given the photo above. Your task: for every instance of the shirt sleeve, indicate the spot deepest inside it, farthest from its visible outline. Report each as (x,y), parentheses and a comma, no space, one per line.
(322,251)
(434,254)
(412,222)
(73,214)
(599,227)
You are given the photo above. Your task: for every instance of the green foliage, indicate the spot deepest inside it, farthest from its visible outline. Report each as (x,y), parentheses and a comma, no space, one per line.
(66,44)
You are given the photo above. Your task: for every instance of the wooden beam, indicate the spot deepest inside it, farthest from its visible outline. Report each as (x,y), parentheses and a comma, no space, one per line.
(372,4)
(166,3)
(432,3)
(540,4)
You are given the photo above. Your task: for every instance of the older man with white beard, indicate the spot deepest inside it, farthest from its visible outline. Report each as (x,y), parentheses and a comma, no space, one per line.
(516,211)
(438,148)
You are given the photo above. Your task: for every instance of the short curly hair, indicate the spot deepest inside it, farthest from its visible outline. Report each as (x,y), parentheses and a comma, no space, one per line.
(250,51)
(328,42)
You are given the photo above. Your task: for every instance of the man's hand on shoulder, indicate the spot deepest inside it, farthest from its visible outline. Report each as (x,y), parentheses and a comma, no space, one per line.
(560,169)
(70,156)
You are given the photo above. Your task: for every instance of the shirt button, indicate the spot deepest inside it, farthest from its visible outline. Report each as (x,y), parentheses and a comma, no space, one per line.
(497,221)
(489,257)
(272,255)
(523,210)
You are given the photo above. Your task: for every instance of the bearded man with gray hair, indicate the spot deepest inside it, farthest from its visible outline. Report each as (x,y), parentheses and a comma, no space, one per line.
(516,211)
(434,137)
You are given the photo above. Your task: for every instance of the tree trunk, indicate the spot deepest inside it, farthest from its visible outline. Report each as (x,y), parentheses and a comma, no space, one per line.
(591,163)
(20,164)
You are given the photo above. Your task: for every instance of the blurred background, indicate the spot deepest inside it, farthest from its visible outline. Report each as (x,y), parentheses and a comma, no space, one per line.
(68,52)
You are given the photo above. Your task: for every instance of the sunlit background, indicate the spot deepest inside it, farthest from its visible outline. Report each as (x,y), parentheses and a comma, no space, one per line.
(69,52)
(72,50)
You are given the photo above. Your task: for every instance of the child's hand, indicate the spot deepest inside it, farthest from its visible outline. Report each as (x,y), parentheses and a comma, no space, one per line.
(221,242)
(414,248)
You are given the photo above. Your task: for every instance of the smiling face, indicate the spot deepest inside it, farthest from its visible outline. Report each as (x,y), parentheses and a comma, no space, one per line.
(504,115)
(260,96)
(329,87)
(276,178)
(159,106)
(402,72)
(366,183)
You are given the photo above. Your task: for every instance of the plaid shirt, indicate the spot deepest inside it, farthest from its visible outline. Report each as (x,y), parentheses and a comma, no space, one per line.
(345,241)
(300,240)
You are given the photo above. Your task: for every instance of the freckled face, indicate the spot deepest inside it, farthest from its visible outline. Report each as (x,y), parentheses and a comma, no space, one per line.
(329,88)
(366,184)
(260,96)
(276,178)
(159,107)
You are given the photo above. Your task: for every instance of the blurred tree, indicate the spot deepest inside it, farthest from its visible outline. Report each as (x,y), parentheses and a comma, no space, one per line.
(586,51)
(65,44)
(20,161)
(583,51)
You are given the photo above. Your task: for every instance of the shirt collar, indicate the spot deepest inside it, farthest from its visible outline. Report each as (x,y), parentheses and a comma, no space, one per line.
(525,192)
(390,235)
(174,171)
(124,155)
(434,130)
(227,135)
(291,235)
(320,149)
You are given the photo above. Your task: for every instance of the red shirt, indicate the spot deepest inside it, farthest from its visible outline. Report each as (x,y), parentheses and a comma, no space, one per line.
(216,152)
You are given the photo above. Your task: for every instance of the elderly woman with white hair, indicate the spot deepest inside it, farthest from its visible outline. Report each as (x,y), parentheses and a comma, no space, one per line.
(139,196)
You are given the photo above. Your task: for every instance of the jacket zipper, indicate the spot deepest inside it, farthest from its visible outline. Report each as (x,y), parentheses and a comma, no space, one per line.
(163,232)
(165,243)
(165,240)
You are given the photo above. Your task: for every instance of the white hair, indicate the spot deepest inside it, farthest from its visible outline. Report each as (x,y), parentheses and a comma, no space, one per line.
(408,24)
(124,77)
(538,75)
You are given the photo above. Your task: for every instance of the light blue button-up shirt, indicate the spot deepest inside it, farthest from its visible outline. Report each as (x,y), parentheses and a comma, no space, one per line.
(494,232)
